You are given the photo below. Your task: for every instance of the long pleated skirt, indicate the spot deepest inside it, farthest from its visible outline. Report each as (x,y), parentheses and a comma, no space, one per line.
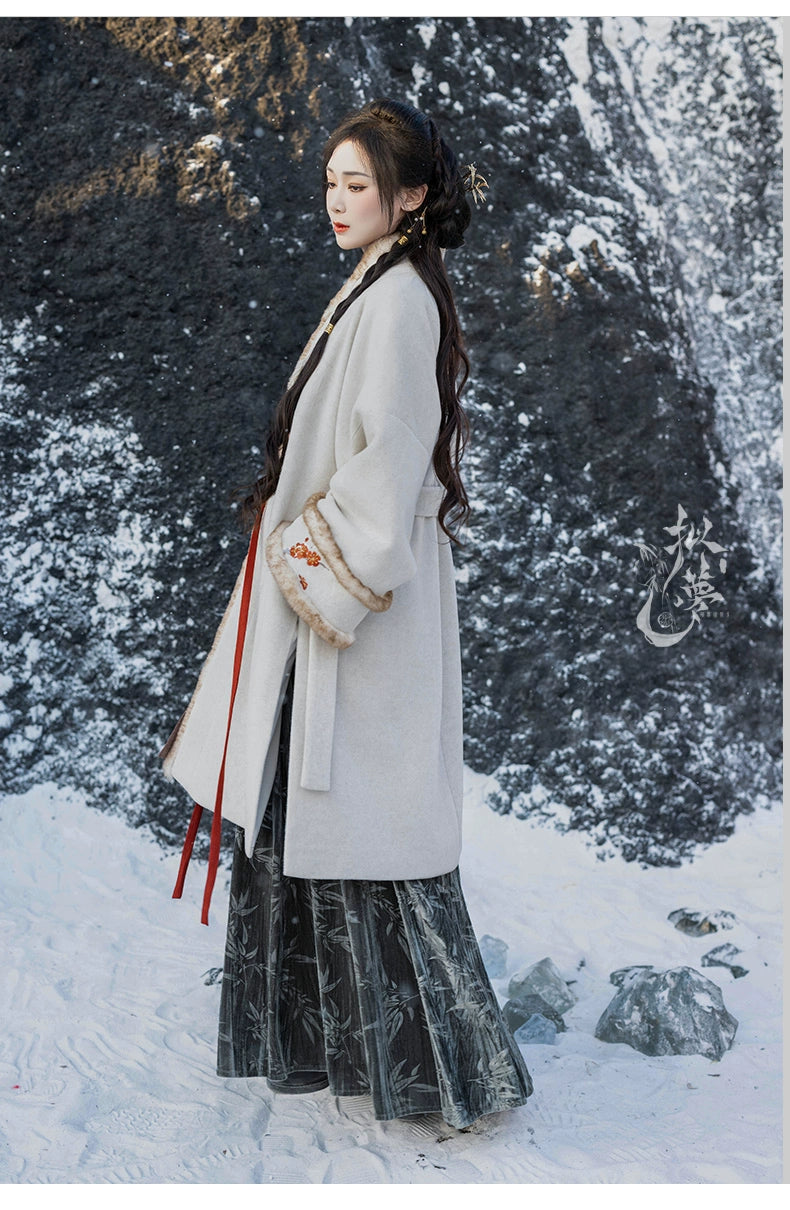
(380,984)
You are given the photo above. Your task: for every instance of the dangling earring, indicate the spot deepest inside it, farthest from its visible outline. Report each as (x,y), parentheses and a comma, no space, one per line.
(419,218)
(404,239)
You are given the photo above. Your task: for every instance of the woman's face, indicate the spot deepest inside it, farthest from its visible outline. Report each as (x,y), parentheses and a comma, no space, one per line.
(352,200)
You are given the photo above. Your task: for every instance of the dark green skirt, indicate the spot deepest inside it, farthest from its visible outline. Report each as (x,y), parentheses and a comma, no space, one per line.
(379,984)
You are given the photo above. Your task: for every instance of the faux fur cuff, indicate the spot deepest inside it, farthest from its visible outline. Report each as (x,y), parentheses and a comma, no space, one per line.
(289,586)
(324,540)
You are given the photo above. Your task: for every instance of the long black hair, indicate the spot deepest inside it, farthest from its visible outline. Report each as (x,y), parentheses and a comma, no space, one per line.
(403,149)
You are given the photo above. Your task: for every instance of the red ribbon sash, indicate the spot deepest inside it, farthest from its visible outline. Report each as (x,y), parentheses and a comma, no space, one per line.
(216,826)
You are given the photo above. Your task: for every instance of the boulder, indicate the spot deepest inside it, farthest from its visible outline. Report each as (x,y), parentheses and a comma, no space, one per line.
(494,954)
(698,924)
(518,1012)
(537,1029)
(722,955)
(542,979)
(626,974)
(673,1012)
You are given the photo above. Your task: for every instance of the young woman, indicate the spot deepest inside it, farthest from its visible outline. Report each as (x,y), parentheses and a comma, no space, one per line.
(326,723)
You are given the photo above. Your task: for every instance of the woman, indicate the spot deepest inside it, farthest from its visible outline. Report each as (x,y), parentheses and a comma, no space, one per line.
(326,723)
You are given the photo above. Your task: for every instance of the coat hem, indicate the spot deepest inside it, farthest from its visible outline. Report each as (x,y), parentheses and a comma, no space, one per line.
(169,752)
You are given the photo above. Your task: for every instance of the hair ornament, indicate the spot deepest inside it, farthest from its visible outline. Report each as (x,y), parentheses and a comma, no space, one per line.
(474,183)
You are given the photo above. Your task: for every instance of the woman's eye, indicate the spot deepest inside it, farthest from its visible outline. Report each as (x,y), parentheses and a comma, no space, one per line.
(329,184)
(356,188)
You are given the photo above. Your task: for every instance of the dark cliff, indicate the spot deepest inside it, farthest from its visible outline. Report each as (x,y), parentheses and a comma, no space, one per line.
(165,257)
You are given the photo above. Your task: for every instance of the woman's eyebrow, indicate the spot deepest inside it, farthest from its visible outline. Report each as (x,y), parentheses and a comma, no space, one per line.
(367,174)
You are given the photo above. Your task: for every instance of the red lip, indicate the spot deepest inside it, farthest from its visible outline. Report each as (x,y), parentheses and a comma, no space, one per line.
(340,226)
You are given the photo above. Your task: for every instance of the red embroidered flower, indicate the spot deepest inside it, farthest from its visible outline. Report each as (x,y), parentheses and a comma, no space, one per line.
(300,550)
(303,581)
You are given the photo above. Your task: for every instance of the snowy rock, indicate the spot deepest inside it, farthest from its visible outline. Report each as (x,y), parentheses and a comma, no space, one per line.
(697,924)
(626,973)
(670,1012)
(494,954)
(542,979)
(722,955)
(537,1029)
(518,1012)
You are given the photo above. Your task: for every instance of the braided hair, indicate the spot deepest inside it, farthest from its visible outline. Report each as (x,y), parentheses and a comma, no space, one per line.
(405,150)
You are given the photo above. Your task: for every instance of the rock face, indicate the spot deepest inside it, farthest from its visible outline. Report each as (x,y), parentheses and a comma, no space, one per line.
(542,979)
(166,256)
(670,1012)
(494,953)
(700,924)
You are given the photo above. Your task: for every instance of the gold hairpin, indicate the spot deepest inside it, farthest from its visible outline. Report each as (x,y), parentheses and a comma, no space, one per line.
(474,183)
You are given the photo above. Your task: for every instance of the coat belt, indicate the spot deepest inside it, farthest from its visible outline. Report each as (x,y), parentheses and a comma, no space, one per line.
(319,719)
(321,688)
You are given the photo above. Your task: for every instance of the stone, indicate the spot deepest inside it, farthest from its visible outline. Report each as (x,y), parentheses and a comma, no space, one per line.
(536,1029)
(518,1012)
(494,953)
(698,924)
(626,974)
(672,1012)
(722,955)
(543,979)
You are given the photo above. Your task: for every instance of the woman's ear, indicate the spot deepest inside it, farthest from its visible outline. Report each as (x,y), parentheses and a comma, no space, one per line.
(412,199)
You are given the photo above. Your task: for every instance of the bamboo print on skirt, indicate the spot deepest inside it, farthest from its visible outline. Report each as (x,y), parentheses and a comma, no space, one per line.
(379,984)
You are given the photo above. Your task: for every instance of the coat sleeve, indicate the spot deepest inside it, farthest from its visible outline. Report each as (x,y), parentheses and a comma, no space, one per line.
(350,548)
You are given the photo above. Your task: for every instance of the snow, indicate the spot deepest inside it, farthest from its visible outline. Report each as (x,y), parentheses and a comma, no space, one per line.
(107,1064)
(427,31)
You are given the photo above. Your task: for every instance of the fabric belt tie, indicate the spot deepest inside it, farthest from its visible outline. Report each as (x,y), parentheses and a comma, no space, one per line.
(321,684)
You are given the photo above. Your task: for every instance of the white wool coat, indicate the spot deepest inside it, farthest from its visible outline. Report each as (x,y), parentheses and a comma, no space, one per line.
(354,573)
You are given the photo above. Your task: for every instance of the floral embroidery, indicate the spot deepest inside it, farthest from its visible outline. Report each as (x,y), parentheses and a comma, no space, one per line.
(302,551)
(303,581)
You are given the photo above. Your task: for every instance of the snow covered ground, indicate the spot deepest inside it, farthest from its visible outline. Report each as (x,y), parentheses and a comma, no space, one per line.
(107,1047)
